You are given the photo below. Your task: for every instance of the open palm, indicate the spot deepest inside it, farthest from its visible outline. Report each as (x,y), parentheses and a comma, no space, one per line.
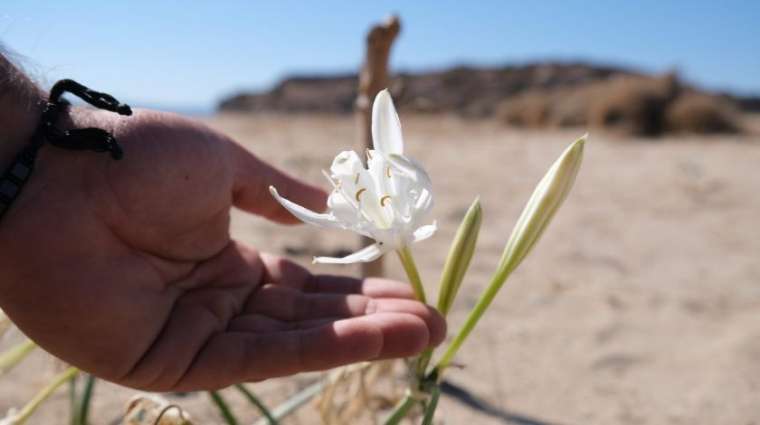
(126,268)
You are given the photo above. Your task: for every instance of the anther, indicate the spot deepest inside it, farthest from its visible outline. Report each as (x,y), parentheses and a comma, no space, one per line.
(383,199)
(359,193)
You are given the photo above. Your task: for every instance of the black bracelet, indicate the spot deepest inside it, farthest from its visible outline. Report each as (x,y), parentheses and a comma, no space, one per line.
(93,139)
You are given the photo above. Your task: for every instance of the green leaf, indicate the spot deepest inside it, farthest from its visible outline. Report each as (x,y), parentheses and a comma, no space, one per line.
(435,394)
(73,400)
(32,405)
(83,404)
(257,403)
(224,408)
(400,411)
(14,355)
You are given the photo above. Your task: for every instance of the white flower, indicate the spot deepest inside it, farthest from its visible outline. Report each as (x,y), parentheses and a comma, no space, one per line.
(386,201)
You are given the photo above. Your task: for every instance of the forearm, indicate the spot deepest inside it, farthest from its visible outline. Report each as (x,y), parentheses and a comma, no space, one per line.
(21,103)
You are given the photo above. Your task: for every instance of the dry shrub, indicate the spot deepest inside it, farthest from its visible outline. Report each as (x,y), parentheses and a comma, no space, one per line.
(532,109)
(701,113)
(571,107)
(634,105)
(630,105)
(556,108)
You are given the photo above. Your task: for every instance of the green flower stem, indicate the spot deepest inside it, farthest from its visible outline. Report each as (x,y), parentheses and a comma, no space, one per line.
(256,402)
(43,395)
(407,260)
(224,408)
(435,394)
(15,354)
(475,315)
(405,255)
(401,410)
(83,406)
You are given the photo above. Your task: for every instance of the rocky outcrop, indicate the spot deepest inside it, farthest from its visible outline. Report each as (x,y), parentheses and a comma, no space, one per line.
(468,91)
(533,95)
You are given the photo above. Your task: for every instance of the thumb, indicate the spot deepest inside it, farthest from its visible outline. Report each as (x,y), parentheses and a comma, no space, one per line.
(251,188)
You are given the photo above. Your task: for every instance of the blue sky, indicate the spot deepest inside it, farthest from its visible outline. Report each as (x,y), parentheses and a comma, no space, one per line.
(189,54)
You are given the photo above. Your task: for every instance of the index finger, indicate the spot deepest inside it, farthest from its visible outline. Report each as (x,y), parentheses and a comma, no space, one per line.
(253,177)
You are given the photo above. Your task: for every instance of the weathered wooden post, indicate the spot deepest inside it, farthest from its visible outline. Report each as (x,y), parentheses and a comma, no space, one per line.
(373,78)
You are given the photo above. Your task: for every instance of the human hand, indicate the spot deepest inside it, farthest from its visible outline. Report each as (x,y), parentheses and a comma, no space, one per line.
(126,268)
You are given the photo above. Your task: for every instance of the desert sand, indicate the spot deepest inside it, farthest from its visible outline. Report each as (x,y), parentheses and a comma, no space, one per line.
(641,304)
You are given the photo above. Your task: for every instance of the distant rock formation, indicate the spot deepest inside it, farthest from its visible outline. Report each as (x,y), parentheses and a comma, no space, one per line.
(299,94)
(466,90)
(534,95)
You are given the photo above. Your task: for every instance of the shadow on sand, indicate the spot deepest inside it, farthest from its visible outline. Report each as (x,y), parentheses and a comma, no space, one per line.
(465,397)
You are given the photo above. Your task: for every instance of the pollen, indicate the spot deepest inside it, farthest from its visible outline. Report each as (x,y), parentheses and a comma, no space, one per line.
(359,193)
(384,199)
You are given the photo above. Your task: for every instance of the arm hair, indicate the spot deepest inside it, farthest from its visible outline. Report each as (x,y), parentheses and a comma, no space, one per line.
(15,86)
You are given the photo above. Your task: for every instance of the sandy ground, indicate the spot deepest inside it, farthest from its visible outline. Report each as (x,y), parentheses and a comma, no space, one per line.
(641,305)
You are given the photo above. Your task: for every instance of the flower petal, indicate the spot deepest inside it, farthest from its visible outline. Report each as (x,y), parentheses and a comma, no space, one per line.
(424,232)
(413,169)
(364,255)
(346,164)
(424,204)
(306,215)
(422,186)
(386,127)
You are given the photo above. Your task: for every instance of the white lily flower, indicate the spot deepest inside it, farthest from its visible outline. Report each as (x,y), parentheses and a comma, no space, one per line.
(387,200)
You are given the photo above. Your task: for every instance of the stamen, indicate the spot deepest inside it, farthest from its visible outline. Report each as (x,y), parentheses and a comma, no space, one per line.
(383,199)
(356,179)
(330,179)
(388,171)
(359,193)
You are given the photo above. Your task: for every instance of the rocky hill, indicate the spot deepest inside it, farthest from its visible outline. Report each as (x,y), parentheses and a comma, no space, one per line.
(535,95)
(466,90)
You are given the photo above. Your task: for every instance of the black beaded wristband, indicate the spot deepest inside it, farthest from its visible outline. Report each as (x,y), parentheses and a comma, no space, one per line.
(93,139)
